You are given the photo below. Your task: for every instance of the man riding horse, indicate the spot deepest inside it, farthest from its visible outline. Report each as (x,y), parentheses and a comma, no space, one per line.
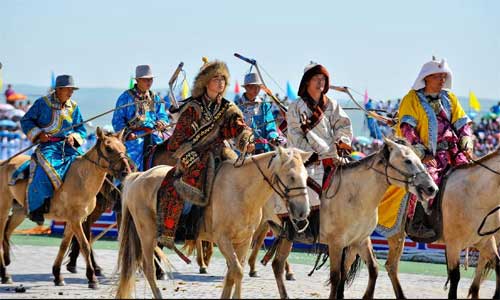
(258,115)
(206,121)
(433,121)
(48,122)
(140,120)
(317,123)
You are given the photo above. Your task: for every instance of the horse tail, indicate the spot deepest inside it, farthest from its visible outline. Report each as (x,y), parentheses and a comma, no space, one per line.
(354,269)
(189,247)
(130,254)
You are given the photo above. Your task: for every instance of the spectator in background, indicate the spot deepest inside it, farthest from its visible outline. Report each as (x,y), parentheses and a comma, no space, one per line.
(495,109)
(373,126)
(8,92)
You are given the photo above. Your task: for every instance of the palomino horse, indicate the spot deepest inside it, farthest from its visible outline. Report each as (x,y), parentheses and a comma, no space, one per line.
(230,218)
(470,193)
(348,211)
(71,203)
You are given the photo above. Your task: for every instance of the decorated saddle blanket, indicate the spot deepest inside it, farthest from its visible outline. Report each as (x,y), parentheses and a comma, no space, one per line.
(22,172)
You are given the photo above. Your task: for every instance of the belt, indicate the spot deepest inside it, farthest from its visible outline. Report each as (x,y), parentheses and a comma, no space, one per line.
(53,139)
(137,129)
(444,145)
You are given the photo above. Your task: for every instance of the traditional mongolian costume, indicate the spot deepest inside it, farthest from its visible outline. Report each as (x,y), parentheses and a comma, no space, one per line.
(258,115)
(326,126)
(198,144)
(52,159)
(436,126)
(139,119)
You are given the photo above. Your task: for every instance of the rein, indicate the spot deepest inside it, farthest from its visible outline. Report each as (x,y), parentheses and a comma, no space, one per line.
(408,180)
(121,156)
(283,191)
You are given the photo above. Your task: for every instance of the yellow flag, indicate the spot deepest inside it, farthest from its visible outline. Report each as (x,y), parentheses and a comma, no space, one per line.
(185,89)
(473,102)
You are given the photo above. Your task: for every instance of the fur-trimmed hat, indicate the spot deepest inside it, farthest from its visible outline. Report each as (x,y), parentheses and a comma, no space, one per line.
(208,71)
(309,71)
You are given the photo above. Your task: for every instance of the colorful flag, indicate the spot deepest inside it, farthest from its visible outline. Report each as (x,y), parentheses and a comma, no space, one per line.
(236,88)
(366,97)
(185,89)
(473,102)
(52,80)
(290,93)
(131,83)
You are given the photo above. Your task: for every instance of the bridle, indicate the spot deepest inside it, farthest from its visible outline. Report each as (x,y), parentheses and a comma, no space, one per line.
(112,161)
(283,191)
(409,179)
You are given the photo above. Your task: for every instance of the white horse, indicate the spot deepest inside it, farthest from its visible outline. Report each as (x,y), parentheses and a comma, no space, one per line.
(230,219)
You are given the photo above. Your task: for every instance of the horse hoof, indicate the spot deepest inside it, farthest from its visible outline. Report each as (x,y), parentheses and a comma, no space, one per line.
(71,269)
(203,270)
(7,280)
(161,276)
(93,285)
(98,272)
(253,274)
(290,277)
(59,282)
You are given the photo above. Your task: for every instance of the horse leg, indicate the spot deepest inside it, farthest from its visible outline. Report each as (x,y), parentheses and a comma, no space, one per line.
(497,273)
(4,245)
(200,256)
(85,250)
(396,247)
(366,253)
(257,241)
(335,253)
(208,251)
(56,268)
(160,274)
(73,256)
(148,243)
(487,256)
(241,251)
(233,266)
(15,219)
(453,267)
(283,250)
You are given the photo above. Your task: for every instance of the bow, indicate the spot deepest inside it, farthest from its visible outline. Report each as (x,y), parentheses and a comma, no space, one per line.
(268,91)
(174,105)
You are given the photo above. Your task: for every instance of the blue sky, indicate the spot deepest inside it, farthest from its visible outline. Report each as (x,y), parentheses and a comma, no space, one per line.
(377,45)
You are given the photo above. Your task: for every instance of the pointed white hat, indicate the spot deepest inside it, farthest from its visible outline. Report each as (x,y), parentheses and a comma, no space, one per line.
(432,67)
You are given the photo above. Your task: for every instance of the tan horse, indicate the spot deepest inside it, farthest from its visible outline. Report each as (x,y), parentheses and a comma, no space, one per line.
(348,212)
(71,203)
(230,219)
(471,192)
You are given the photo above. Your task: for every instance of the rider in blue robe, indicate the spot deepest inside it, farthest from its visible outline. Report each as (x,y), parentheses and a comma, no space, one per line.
(140,120)
(48,122)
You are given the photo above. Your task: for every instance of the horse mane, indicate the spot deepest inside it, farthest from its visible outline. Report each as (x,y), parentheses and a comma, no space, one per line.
(370,157)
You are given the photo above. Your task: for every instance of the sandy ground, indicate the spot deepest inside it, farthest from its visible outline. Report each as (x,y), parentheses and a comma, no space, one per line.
(31,267)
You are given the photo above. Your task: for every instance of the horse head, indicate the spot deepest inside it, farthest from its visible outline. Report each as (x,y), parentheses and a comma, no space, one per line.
(404,168)
(112,153)
(289,180)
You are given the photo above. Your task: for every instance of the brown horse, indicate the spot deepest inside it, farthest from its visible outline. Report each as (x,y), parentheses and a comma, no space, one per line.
(105,200)
(348,212)
(468,197)
(230,218)
(71,203)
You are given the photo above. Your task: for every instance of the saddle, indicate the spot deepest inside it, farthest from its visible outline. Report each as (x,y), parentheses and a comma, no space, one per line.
(433,221)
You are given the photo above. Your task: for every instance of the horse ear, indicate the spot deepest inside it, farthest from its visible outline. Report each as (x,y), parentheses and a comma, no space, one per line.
(391,144)
(99,133)
(280,152)
(120,134)
(304,154)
